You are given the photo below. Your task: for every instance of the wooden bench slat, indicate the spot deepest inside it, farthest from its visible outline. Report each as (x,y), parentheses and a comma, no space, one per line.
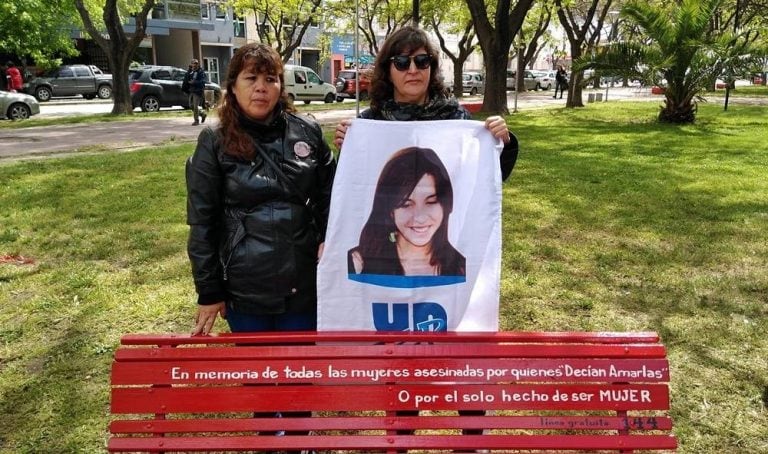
(492,370)
(387,442)
(325,423)
(387,397)
(544,391)
(396,351)
(396,336)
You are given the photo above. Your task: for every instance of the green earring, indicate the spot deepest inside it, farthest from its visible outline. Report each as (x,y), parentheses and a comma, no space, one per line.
(392,237)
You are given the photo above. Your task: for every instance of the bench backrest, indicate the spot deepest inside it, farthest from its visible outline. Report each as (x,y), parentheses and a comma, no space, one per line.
(543,391)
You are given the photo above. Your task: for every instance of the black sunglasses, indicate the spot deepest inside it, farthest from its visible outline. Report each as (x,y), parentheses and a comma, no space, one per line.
(403,62)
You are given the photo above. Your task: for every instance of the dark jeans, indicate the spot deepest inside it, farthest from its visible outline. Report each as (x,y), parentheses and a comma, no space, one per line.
(195,101)
(240,322)
(562,86)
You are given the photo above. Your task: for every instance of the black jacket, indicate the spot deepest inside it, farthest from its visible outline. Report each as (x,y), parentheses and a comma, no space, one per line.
(252,241)
(195,81)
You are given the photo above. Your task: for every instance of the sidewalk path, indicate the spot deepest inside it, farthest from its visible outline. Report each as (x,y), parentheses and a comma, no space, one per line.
(47,140)
(43,141)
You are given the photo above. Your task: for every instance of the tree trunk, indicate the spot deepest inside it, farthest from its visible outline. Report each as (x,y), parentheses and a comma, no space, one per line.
(677,109)
(495,40)
(495,86)
(582,36)
(574,85)
(121,93)
(119,47)
(465,47)
(458,89)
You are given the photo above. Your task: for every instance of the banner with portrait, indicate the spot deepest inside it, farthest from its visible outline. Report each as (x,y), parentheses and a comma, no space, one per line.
(414,234)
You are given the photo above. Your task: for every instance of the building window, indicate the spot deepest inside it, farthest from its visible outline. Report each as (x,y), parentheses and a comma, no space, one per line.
(158,11)
(211,68)
(205,11)
(221,11)
(239,24)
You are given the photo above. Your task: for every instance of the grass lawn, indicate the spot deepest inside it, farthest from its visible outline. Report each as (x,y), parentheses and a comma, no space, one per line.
(611,222)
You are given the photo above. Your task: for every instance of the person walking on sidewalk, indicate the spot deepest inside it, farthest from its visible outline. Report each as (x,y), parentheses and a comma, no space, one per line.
(196,80)
(561,81)
(15,81)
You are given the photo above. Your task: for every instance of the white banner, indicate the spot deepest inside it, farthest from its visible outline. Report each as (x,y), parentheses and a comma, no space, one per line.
(414,234)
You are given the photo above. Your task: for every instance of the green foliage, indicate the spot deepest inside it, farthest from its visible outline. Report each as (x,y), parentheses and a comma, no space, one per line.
(680,51)
(119,46)
(612,221)
(39,29)
(283,24)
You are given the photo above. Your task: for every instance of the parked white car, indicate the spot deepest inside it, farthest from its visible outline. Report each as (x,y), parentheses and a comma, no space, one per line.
(303,84)
(17,106)
(545,80)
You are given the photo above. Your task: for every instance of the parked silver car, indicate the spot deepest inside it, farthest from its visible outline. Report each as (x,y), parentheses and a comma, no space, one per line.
(529,79)
(473,83)
(17,106)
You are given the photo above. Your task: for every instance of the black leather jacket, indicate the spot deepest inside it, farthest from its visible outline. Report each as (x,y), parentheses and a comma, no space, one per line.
(253,242)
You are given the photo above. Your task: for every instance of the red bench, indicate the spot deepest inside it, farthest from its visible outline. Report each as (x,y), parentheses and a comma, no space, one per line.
(472,107)
(542,392)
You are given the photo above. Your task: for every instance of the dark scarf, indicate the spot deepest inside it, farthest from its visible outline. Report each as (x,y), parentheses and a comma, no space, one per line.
(264,131)
(438,107)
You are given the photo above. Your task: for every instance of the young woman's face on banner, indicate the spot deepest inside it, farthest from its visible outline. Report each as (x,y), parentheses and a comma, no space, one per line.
(421,214)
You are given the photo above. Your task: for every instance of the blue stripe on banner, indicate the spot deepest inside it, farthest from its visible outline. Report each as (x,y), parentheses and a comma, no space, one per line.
(389,280)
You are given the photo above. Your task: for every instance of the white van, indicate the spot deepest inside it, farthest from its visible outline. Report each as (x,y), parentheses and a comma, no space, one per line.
(303,84)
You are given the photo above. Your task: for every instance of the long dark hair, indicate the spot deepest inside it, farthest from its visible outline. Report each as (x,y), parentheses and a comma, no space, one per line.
(396,182)
(258,58)
(403,41)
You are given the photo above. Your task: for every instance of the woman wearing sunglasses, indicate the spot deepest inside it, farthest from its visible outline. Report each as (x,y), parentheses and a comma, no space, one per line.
(406,86)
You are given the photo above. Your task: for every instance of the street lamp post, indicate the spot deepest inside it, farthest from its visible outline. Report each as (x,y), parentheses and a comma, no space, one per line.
(519,72)
(611,16)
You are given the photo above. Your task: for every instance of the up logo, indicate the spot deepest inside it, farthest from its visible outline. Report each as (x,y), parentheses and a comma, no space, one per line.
(424,316)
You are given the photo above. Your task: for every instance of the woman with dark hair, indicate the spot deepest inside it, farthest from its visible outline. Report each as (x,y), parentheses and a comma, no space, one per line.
(406,86)
(561,81)
(407,231)
(254,239)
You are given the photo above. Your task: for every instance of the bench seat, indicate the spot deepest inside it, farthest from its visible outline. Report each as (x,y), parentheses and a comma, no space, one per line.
(391,392)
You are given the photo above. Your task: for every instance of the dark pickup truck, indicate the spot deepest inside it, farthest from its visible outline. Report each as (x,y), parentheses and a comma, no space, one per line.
(71,80)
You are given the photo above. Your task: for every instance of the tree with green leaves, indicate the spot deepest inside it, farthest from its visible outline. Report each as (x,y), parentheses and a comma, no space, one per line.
(534,34)
(453,18)
(282,24)
(38,29)
(680,48)
(734,16)
(377,16)
(496,30)
(582,21)
(119,47)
